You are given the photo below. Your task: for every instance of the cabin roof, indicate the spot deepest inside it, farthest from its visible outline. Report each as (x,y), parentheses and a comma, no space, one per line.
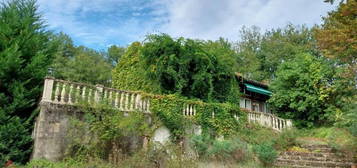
(250,81)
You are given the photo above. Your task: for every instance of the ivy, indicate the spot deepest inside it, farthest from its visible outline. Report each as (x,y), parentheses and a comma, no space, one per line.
(214,118)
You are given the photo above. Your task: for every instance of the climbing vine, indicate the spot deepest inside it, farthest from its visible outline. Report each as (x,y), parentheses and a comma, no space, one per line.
(219,119)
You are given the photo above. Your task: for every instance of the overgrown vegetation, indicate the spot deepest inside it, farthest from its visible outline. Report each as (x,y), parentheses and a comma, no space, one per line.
(304,91)
(191,68)
(312,72)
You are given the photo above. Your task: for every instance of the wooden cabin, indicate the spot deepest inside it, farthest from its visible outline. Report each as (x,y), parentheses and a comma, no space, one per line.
(254,95)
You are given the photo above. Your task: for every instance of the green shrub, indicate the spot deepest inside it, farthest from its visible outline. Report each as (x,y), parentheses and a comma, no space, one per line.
(200,143)
(156,155)
(68,163)
(266,153)
(232,149)
(286,139)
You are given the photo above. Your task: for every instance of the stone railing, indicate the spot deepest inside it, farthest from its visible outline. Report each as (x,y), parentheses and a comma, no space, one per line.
(269,120)
(70,93)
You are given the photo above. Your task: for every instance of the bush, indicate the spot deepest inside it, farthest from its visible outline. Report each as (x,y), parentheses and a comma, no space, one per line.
(201,143)
(266,153)
(286,139)
(222,150)
(68,163)
(159,156)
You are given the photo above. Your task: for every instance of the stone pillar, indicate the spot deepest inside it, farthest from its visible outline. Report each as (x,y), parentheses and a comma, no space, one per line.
(98,93)
(47,89)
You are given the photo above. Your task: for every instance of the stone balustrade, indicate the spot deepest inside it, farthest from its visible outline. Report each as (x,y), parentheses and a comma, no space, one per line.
(269,120)
(65,92)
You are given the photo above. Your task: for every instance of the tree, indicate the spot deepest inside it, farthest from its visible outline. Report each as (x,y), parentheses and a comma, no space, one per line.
(261,54)
(337,37)
(304,90)
(80,64)
(26,50)
(114,54)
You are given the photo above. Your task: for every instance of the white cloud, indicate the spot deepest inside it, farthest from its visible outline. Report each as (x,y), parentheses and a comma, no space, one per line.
(97,23)
(210,19)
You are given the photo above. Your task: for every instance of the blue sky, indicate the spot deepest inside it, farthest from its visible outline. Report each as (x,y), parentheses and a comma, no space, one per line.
(100,23)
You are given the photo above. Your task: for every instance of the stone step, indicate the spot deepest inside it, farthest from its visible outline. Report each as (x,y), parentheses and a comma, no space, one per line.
(315,146)
(320,149)
(288,162)
(314,154)
(330,159)
(294,166)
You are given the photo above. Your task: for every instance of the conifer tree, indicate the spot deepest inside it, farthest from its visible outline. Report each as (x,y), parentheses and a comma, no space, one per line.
(25,52)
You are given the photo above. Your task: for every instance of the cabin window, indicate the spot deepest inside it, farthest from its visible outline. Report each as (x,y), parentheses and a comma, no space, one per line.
(242,103)
(248,104)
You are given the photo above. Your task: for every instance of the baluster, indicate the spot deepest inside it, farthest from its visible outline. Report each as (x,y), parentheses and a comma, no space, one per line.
(89,95)
(148,106)
(126,106)
(98,93)
(111,98)
(63,93)
(70,94)
(116,102)
(137,102)
(78,93)
(122,100)
(57,92)
(84,93)
(132,103)
(194,110)
(105,97)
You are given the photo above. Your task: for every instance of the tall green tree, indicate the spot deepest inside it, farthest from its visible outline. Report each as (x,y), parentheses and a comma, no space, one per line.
(80,63)
(114,54)
(304,90)
(337,38)
(262,53)
(26,51)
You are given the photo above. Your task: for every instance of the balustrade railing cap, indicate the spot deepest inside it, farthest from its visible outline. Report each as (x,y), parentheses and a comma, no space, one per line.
(99,85)
(49,77)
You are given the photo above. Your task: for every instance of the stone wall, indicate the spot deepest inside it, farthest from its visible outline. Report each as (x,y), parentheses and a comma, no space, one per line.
(51,129)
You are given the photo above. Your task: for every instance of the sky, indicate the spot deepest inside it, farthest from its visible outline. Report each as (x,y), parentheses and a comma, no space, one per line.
(100,23)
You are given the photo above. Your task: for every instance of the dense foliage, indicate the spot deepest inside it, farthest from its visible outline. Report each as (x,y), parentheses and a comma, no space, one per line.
(192,68)
(260,54)
(130,74)
(304,90)
(25,52)
(114,54)
(80,64)
(337,37)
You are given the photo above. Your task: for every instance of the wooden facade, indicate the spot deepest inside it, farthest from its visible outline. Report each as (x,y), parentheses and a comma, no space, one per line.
(252,100)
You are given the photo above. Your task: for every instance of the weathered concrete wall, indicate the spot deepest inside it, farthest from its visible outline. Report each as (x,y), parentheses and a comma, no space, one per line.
(51,129)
